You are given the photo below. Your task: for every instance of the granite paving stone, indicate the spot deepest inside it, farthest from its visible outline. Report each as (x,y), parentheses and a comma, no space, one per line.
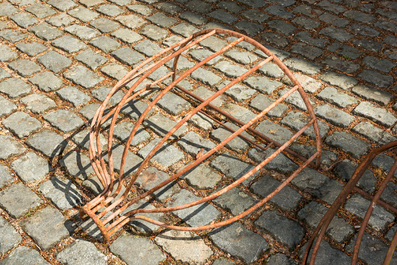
(64,120)
(213,43)
(239,241)
(81,75)
(131,21)
(38,103)
(377,79)
(378,115)
(137,250)
(13,35)
(193,143)
(31,167)
(62,5)
(297,120)
(302,65)
(104,25)
(379,219)
(18,199)
(201,54)
(31,48)
(280,259)
(154,32)
(193,18)
(287,198)
(82,252)
(77,164)
(83,32)
(62,192)
(223,261)
(84,14)
(45,31)
(7,9)
(54,61)
(184,246)
(333,96)
(341,64)
(24,20)
(105,43)
(73,95)
(334,20)
(372,250)
(274,131)
(9,236)
(272,70)
(262,83)
(7,106)
(169,8)
(230,69)
(46,81)
(237,144)
(306,37)
(24,67)
(132,160)
(166,155)
(348,143)
(47,227)
(342,81)
(261,102)
(162,20)
(91,58)
(9,147)
(378,64)
(7,54)
(60,20)
(21,124)
(123,130)
(334,115)
(128,56)
(4,73)
(110,10)
(48,142)
(306,50)
(371,93)
(69,44)
(40,10)
(24,255)
(202,177)
(374,133)
(235,201)
(6,178)
(126,35)
(289,232)
(115,70)
(90,3)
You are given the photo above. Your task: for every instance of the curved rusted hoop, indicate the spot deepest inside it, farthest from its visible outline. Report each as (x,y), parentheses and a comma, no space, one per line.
(350,187)
(105,209)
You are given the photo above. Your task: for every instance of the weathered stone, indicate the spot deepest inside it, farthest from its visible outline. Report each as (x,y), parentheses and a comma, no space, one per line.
(24,255)
(185,247)
(105,43)
(46,32)
(238,241)
(7,54)
(334,115)
(9,237)
(6,178)
(297,120)
(83,76)
(9,147)
(31,48)
(340,99)
(48,142)
(342,81)
(91,59)
(137,250)
(82,252)
(54,61)
(31,167)
(236,201)
(237,144)
(38,103)
(371,93)
(378,115)
(46,81)
(64,120)
(83,32)
(18,200)
(24,67)
(40,10)
(69,44)
(166,155)
(161,125)
(84,14)
(60,20)
(131,21)
(73,95)
(374,133)
(348,143)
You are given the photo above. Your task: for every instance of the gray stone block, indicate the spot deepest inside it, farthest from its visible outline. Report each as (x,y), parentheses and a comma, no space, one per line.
(31,167)
(202,177)
(238,241)
(297,120)
(6,178)
(287,198)
(110,10)
(104,25)
(54,61)
(45,31)
(84,14)
(261,102)
(24,67)
(7,106)
(83,32)
(105,43)
(166,156)
(334,115)
(371,93)
(122,131)
(46,81)
(374,133)
(342,81)
(64,120)
(73,95)
(24,255)
(18,200)
(81,75)
(47,227)
(174,104)
(348,143)
(91,59)
(184,246)
(9,147)
(40,10)
(60,20)
(235,201)
(62,5)
(378,115)
(126,35)
(262,83)
(13,35)
(6,54)
(137,250)
(82,252)
(38,103)
(77,164)
(376,78)
(345,169)
(333,96)
(48,142)
(302,65)
(8,236)
(31,48)
(69,44)
(193,143)
(131,21)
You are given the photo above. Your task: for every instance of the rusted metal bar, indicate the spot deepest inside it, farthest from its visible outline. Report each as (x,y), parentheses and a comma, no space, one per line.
(350,187)
(108,209)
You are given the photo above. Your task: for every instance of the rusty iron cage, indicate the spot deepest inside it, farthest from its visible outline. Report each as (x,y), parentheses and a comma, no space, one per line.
(319,233)
(109,209)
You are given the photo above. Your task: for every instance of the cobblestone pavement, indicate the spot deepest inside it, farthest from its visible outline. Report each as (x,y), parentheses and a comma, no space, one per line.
(59,59)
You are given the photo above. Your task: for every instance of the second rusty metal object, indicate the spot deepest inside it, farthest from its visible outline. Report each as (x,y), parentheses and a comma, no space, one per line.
(109,209)
(350,187)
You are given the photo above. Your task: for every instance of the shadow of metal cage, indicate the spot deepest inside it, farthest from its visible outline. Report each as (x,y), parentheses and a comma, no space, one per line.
(109,209)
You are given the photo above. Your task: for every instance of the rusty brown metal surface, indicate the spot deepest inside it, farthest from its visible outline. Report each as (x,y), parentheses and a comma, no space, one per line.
(108,209)
(319,233)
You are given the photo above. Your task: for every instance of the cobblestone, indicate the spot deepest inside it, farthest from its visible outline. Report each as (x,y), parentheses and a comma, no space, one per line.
(376,114)
(54,61)
(62,192)
(38,103)
(296,120)
(47,227)
(240,242)
(348,143)
(17,205)
(83,14)
(9,236)
(21,124)
(24,67)
(69,44)
(73,95)
(374,133)
(31,48)
(377,79)
(60,20)
(46,81)
(64,120)
(333,96)
(334,115)
(46,32)
(48,142)
(261,102)
(83,32)
(24,255)
(81,75)
(131,21)
(126,35)
(9,147)
(7,106)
